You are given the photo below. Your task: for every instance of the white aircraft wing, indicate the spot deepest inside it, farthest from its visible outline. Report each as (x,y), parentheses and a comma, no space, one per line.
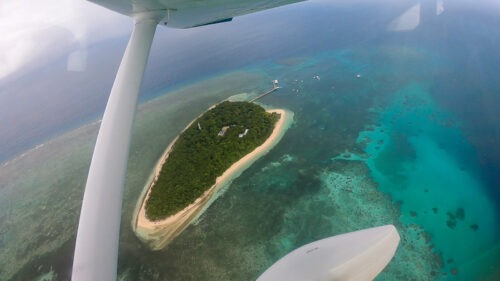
(192,13)
(355,256)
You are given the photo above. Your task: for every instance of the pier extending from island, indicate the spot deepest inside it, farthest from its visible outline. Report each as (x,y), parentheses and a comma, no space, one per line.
(158,233)
(274,88)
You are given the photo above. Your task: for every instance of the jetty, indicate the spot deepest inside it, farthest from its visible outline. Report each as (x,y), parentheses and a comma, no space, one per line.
(274,88)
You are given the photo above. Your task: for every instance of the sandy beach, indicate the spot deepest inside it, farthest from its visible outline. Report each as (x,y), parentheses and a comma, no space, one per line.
(157,234)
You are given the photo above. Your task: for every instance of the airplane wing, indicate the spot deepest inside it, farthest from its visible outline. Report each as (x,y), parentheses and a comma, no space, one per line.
(359,255)
(192,13)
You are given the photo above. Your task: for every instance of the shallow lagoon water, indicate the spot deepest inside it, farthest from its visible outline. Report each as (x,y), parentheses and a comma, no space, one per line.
(385,147)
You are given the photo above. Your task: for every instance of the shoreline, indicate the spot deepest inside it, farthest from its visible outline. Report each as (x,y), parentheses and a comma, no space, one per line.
(157,234)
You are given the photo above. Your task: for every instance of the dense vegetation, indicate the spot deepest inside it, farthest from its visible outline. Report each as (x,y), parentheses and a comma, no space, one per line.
(198,157)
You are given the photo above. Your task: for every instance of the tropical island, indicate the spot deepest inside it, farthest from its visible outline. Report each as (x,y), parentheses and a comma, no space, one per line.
(209,153)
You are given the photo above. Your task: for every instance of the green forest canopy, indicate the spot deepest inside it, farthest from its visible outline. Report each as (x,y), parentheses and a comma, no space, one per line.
(198,157)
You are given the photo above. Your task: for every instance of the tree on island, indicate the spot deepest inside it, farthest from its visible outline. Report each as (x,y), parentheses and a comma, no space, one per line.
(199,156)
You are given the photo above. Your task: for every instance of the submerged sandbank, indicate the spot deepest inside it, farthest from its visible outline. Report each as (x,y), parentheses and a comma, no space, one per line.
(157,234)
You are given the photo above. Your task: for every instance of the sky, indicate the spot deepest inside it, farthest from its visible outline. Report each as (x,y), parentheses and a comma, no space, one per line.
(36,32)
(44,43)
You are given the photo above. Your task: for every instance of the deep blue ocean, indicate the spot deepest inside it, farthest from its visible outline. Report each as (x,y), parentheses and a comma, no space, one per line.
(396,122)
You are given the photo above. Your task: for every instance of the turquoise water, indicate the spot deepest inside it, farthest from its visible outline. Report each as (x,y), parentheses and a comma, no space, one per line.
(417,155)
(399,129)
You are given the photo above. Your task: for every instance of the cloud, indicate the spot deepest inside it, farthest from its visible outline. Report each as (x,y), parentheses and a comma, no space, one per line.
(34,32)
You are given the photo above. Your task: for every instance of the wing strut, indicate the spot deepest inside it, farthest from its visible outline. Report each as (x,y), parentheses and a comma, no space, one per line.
(96,251)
